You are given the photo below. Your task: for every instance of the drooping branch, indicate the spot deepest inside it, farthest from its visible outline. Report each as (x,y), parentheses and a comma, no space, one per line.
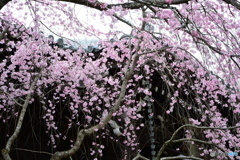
(6,150)
(84,132)
(129,69)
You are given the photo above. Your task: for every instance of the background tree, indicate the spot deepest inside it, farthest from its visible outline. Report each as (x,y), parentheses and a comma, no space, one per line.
(170,81)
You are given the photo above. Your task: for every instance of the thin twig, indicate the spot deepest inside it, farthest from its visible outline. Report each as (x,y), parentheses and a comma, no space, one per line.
(19,104)
(139,156)
(27,150)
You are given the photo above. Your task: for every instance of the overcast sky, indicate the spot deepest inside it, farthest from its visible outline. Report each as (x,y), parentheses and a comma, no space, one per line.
(85,16)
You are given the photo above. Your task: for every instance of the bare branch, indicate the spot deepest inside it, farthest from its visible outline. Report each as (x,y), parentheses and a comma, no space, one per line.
(164,48)
(130,5)
(238,56)
(137,4)
(103,6)
(59,34)
(27,150)
(139,156)
(232,58)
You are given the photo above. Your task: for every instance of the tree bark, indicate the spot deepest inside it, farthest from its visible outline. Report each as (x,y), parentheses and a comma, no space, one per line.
(130,5)
(136,4)
(6,150)
(3,3)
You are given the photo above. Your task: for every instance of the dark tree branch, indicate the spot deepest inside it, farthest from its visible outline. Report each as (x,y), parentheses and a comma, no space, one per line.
(235,3)
(137,4)
(232,58)
(3,3)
